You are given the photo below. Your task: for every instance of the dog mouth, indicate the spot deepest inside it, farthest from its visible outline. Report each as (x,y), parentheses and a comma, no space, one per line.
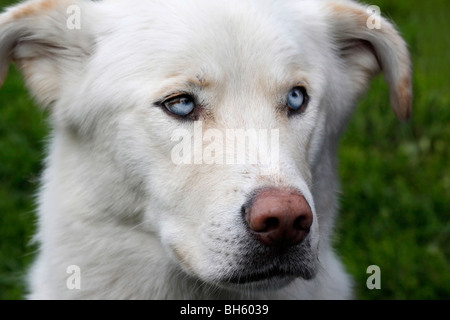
(258,276)
(255,266)
(274,270)
(271,273)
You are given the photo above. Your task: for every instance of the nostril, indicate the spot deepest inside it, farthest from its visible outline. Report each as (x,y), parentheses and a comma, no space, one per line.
(302,223)
(271,224)
(298,223)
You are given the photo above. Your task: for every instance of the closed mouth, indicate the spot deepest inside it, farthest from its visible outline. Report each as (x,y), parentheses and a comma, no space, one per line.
(258,276)
(272,273)
(272,267)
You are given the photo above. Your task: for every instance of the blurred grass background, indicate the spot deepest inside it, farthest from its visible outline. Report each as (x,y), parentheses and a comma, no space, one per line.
(395,201)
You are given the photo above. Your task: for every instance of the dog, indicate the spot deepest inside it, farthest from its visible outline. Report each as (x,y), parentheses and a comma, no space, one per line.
(143,195)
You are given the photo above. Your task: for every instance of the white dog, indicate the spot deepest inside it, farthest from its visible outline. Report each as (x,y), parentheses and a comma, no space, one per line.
(129,207)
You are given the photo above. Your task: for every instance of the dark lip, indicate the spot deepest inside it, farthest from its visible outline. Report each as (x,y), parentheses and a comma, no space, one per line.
(270,274)
(258,276)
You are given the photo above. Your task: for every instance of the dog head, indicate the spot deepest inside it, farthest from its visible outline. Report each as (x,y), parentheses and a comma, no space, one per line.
(208,122)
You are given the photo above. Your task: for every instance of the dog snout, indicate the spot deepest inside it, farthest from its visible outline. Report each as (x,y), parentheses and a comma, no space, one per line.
(278,217)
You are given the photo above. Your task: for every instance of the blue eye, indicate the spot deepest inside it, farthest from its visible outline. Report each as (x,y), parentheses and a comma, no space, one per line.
(297,98)
(180,105)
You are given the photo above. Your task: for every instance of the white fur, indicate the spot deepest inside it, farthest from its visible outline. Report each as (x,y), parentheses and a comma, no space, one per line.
(113,203)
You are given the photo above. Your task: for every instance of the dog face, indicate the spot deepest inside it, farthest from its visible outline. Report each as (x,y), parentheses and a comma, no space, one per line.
(162,94)
(227,76)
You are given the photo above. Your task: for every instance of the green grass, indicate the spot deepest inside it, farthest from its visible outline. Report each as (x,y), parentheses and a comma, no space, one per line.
(395,201)
(22,132)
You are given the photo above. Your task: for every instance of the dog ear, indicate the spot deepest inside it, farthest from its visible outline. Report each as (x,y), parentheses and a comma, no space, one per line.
(369,44)
(47,40)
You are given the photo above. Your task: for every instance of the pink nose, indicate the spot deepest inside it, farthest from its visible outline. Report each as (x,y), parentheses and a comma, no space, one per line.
(279,217)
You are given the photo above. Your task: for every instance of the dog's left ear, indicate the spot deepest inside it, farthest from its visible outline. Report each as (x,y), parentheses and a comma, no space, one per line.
(368,44)
(47,40)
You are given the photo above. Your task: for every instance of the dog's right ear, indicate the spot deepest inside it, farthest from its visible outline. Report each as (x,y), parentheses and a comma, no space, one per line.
(46,39)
